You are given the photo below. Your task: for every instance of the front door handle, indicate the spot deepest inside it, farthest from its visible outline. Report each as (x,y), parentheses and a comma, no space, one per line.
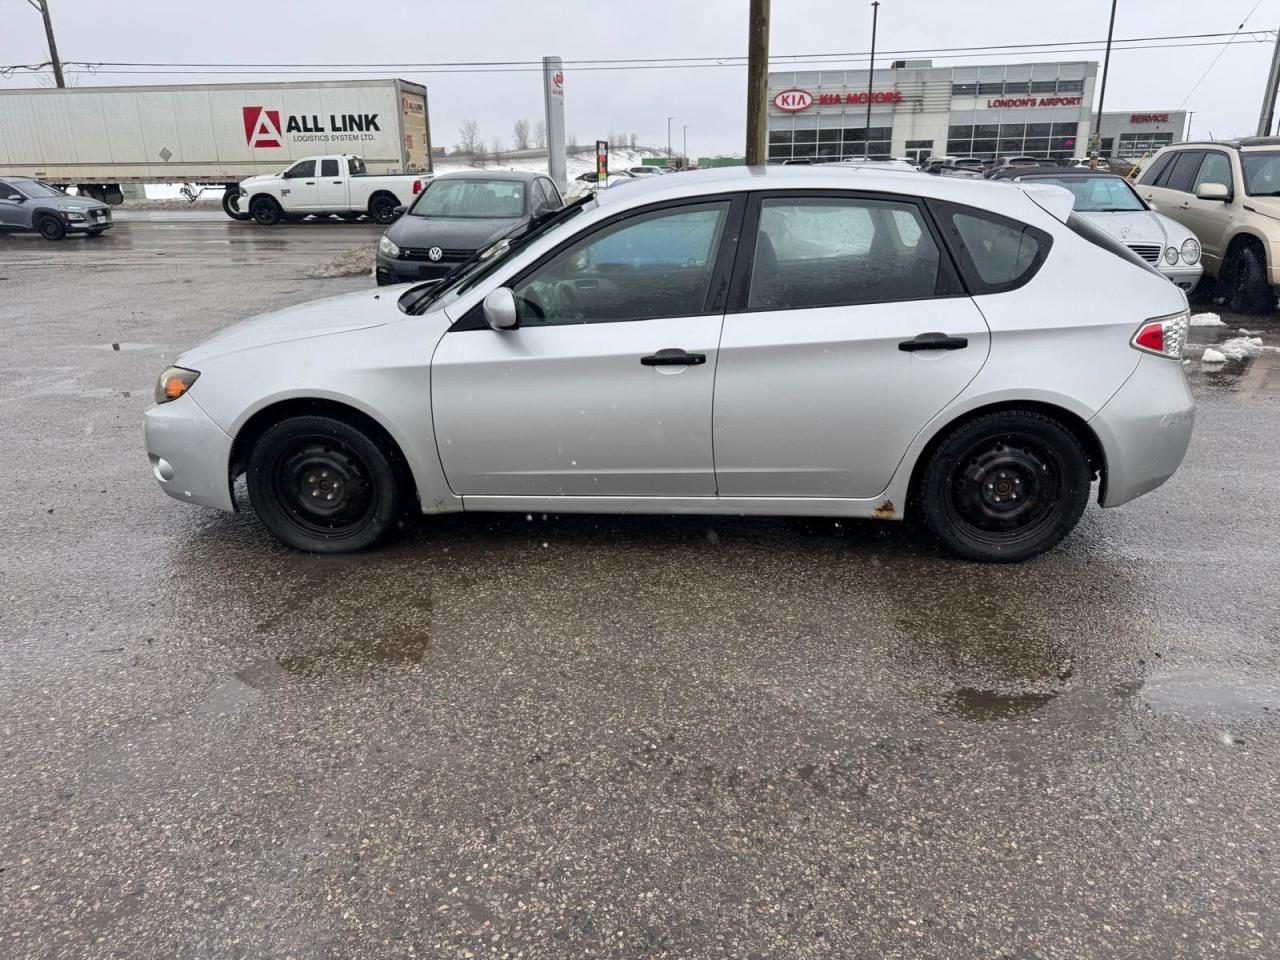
(311,183)
(673,357)
(933,341)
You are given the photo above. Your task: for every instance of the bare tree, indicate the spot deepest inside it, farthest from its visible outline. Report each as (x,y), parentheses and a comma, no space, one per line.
(469,137)
(479,156)
(633,140)
(521,133)
(540,133)
(498,147)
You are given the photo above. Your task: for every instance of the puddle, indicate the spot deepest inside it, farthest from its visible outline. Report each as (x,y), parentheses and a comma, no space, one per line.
(1199,696)
(972,703)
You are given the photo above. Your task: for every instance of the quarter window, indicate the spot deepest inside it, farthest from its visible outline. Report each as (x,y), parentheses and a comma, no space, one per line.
(655,264)
(995,253)
(823,252)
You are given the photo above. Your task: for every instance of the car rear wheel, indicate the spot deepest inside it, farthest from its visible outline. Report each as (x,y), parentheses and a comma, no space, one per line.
(324,486)
(51,228)
(382,208)
(265,211)
(1005,487)
(1247,287)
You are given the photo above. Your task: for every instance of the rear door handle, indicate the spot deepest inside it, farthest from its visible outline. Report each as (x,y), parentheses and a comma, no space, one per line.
(673,357)
(933,341)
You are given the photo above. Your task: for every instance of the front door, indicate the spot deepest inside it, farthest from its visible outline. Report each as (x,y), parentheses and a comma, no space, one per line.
(300,191)
(331,185)
(849,335)
(604,388)
(12,212)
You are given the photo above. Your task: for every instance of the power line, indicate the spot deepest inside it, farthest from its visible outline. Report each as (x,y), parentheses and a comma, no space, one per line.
(1214,63)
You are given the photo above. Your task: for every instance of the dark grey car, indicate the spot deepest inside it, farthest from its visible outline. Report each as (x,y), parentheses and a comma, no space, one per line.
(27,204)
(455,215)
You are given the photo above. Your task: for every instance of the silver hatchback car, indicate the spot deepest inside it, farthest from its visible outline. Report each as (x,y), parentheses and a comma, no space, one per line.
(796,341)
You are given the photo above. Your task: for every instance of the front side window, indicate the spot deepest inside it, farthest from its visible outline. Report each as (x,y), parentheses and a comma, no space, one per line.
(825,251)
(471,199)
(995,253)
(1261,173)
(329,167)
(654,264)
(303,168)
(1216,168)
(37,190)
(8,193)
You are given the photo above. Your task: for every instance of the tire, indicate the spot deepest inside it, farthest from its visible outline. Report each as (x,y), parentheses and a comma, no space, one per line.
(1248,290)
(51,228)
(382,208)
(266,211)
(231,204)
(300,465)
(1006,486)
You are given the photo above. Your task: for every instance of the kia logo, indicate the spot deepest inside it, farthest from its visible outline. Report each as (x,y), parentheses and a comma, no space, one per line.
(558,79)
(793,100)
(435,253)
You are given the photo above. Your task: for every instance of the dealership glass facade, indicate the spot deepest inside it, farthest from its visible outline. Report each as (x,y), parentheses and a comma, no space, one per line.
(991,140)
(830,141)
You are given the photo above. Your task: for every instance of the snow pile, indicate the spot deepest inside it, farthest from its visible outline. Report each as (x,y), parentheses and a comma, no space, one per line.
(1237,348)
(1206,320)
(349,263)
(1212,356)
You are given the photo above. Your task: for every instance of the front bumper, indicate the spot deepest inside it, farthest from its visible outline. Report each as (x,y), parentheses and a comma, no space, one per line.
(189,453)
(1182,276)
(1145,429)
(388,270)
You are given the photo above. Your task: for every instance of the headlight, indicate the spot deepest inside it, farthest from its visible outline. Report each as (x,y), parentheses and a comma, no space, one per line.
(1191,250)
(1171,256)
(76,217)
(173,383)
(387,248)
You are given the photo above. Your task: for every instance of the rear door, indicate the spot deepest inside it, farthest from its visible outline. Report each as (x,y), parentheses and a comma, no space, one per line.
(848,330)
(331,184)
(1170,189)
(1209,219)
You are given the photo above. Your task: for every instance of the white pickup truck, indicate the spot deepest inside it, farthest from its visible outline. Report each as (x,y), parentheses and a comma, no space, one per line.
(324,185)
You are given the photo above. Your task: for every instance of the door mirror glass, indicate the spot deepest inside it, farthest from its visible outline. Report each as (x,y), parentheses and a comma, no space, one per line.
(500,309)
(1213,191)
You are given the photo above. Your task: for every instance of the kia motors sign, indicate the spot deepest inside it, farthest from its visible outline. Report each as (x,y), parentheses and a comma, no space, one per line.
(793,100)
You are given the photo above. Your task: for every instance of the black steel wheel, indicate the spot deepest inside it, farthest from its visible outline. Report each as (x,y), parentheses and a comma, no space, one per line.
(265,211)
(324,486)
(1005,486)
(382,208)
(51,228)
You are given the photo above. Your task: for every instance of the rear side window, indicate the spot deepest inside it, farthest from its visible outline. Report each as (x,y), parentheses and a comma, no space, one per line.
(1153,172)
(1183,171)
(828,251)
(329,167)
(994,253)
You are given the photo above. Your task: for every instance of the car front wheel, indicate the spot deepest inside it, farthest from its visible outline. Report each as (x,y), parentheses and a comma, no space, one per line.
(324,486)
(265,211)
(1005,486)
(51,228)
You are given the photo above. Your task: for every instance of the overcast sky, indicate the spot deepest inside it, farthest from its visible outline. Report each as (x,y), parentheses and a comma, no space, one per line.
(710,100)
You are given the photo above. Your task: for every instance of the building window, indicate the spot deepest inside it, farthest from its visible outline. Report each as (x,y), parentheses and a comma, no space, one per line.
(1071,86)
(991,89)
(964,89)
(1044,86)
(918,151)
(829,144)
(1135,146)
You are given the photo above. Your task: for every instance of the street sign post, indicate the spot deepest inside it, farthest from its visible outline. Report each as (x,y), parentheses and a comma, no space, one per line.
(602,161)
(553,100)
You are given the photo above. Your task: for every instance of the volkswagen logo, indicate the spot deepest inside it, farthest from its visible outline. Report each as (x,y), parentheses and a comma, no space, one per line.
(435,253)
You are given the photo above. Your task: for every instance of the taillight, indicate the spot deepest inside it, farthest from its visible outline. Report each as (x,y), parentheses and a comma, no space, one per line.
(417,187)
(1164,336)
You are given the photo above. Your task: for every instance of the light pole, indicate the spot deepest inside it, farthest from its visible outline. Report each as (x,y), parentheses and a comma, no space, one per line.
(684,150)
(1102,94)
(669,119)
(871,71)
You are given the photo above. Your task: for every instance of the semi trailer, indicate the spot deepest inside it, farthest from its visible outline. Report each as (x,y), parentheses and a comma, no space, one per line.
(211,135)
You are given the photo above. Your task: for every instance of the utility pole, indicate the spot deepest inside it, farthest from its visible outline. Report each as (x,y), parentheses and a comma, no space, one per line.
(757,83)
(871,72)
(1102,94)
(1269,95)
(43,7)
(685,149)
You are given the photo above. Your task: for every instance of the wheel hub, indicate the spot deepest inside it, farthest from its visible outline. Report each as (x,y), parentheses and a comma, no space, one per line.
(1003,487)
(326,484)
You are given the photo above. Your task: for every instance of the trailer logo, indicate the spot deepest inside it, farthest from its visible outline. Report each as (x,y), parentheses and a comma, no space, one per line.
(262,127)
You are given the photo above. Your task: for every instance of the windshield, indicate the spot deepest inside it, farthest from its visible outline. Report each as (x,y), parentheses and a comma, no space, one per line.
(470,272)
(1261,173)
(34,188)
(478,199)
(1097,194)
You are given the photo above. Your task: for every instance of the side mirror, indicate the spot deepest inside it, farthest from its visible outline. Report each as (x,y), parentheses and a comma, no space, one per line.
(500,309)
(400,209)
(1213,191)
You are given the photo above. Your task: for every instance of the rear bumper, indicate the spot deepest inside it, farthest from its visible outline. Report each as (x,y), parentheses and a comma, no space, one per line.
(190,455)
(1145,429)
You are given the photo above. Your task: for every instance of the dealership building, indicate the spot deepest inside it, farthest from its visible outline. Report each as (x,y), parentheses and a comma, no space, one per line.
(919,110)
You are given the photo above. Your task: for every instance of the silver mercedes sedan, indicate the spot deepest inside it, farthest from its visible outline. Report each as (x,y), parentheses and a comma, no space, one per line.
(788,341)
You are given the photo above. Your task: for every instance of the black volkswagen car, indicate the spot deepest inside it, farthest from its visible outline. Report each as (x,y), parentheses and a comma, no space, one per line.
(455,215)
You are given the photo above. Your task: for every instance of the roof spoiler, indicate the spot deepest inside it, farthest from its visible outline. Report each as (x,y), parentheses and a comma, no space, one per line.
(1058,202)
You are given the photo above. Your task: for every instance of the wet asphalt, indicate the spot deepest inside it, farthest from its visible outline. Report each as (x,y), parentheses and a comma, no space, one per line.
(511,736)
